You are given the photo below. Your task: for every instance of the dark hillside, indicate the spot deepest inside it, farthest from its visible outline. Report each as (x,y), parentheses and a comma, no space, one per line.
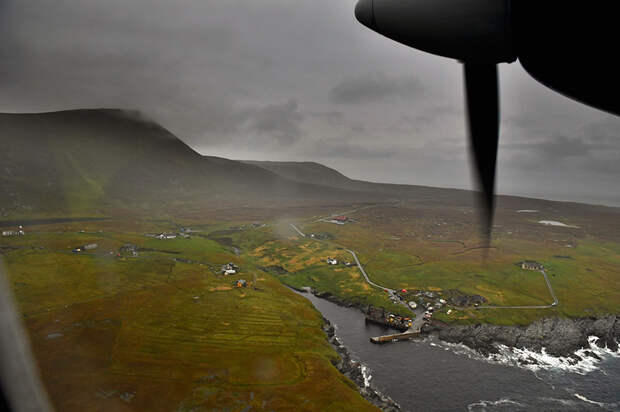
(307,172)
(311,172)
(89,160)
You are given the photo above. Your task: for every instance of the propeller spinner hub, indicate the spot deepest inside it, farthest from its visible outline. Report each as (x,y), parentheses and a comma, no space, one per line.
(478,31)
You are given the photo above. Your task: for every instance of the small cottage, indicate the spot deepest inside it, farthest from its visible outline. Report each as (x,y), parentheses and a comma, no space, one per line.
(530,265)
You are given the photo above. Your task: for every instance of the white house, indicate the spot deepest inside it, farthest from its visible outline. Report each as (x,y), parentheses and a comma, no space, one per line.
(166,236)
(19,232)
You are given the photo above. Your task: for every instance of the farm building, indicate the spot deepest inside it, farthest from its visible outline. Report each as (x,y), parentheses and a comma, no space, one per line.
(530,265)
(166,236)
(331,261)
(18,232)
(230,269)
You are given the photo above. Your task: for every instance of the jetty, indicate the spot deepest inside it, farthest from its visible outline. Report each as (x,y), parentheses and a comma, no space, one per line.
(395,337)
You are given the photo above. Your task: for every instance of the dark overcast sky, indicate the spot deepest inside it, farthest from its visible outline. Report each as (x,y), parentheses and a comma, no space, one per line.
(292,80)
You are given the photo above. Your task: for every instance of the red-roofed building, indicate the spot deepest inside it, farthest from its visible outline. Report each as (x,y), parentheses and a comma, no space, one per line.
(340,218)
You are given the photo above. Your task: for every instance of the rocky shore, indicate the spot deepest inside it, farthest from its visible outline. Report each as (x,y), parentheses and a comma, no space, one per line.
(354,370)
(334,299)
(558,336)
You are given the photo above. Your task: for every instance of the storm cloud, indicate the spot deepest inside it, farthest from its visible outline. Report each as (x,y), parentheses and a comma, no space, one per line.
(282,80)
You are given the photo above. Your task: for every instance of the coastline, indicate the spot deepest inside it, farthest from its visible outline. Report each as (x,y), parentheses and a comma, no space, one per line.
(352,369)
(357,372)
(570,338)
(559,337)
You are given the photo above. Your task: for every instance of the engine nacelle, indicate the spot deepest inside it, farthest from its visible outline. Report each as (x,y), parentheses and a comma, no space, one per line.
(477,31)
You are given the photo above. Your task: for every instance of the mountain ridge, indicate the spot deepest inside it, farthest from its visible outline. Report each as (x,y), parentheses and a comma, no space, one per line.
(94,160)
(91,159)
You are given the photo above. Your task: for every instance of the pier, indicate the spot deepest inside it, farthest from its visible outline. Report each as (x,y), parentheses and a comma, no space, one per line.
(395,337)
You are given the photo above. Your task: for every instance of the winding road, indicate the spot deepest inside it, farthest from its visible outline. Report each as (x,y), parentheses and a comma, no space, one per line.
(359,264)
(418,321)
(370,282)
(392,292)
(297,230)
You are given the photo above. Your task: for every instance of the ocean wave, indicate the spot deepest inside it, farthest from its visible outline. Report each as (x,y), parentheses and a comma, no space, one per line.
(366,374)
(542,403)
(613,406)
(499,404)
(539,361)
(583,398)
(581,404)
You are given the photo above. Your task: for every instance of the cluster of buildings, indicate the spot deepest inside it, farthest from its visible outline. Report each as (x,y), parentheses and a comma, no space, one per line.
(18,232)
(423,298)
(230,269)
(165,236)
(381,317)
(184,232)
(333,261)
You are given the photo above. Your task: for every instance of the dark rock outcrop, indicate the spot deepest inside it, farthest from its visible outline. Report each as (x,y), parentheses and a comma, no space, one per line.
(352,369)
(559,336)
(458,298)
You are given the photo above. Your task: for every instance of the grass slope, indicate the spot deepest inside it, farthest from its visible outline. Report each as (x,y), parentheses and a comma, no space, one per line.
(152,333)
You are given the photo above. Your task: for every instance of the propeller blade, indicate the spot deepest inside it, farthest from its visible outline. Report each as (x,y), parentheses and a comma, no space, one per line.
(482,98)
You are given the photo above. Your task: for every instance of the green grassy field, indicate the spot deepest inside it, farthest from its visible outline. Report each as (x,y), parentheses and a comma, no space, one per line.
(420,249)
(412,249)
(109,331)
(151,333)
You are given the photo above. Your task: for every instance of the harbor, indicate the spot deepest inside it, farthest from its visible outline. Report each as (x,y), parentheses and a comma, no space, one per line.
(409,328)
(472,382)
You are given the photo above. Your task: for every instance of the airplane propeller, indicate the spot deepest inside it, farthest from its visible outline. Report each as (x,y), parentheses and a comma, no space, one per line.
(475,32)
(482,97)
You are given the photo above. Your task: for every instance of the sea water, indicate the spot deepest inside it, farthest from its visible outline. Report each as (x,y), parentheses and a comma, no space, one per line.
(431,375)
